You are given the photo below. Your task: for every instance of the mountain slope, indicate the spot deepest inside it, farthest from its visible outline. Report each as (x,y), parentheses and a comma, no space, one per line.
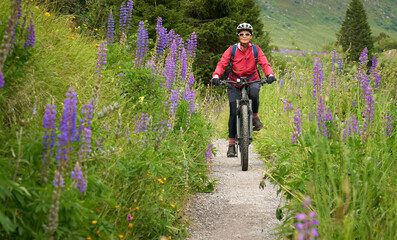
(309,24)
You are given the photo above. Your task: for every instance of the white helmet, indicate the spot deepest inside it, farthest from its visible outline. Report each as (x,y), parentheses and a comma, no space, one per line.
(244,26)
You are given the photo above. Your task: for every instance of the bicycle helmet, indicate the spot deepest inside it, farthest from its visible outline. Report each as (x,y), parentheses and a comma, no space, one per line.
(244,26)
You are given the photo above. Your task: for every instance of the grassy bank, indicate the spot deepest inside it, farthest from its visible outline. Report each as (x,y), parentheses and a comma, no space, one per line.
(135,149)
(335,143)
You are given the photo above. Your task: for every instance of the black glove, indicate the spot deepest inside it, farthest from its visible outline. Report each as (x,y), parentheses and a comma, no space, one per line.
(216,81)
(271,79)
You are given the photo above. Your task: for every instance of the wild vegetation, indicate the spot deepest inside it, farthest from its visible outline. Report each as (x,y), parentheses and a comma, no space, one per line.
(335,143)
(105,127)
(98,140)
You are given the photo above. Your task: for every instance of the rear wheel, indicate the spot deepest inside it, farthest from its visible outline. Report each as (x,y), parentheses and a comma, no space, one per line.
(244,134)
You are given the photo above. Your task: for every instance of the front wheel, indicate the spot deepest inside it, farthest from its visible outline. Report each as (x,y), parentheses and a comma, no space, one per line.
(244,137)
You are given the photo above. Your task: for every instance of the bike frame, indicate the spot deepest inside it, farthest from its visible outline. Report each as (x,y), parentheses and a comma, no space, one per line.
(244,100)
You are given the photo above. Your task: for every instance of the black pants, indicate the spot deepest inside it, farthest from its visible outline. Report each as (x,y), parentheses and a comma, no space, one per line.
(234,94)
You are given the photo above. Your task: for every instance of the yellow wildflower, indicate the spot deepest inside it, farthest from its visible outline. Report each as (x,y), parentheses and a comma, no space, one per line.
(121,236)
(85,25)
(37,7)
(165,179)
(94,221)
(95,29)
(172,205)
(169,237)
(116,206)
(130,225)
(97,232)
(88,238)
(137,208)
(47,14)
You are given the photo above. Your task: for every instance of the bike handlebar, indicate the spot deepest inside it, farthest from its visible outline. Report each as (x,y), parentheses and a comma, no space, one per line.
(243,81)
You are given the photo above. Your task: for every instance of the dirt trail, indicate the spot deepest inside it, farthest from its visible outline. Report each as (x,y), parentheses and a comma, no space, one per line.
(238,208)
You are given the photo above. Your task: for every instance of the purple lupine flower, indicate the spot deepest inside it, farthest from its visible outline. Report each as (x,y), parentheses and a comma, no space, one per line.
(110,34)
(58,181)
(375,73)
(159,25)
(297,126)
(370,108)
(49,131)
(374,64)
(123,16)
(281,82)
(208,152)
(318,76)
(192,45)
(67,125)
(129,217)
(1,79)
(355,125)
(364,82)
(340,65)
(189,98)
(191,80)
(183,64)
(141,123)
(287,105)
(130,7)
(30,37)
(161,42)
(142,44)
(68,121)
(364,58)
(85,131)
(307,223)
(321,117)
(173,102)
(77,174)
(102,58)
(170,65)
(388,124)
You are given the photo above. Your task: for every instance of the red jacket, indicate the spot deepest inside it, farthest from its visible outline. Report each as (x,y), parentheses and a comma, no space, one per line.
(244,64)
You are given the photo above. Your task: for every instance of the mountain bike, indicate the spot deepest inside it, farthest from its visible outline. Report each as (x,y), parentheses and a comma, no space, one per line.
(244,117)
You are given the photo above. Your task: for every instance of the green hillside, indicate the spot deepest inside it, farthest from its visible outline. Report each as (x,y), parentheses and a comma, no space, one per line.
(309,24)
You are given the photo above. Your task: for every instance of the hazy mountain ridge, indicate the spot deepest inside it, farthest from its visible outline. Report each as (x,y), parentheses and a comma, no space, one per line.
(309,24)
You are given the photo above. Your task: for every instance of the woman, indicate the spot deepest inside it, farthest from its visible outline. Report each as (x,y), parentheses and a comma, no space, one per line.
(243,64)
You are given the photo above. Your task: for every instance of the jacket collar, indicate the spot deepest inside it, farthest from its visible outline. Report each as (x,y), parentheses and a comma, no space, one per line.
(239,45)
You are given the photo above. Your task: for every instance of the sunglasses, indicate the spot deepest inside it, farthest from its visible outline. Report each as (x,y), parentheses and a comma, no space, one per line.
(244,34)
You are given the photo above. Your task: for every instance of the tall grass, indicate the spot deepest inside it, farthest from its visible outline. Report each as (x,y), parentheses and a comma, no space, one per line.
(351,179)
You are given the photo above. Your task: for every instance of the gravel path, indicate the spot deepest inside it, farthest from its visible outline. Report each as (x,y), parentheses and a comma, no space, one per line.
(238,208)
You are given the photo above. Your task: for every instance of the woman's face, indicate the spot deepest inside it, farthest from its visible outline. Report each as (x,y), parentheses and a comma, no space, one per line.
(244,37)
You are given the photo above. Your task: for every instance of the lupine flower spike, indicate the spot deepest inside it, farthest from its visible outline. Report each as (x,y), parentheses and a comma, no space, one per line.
(307,222)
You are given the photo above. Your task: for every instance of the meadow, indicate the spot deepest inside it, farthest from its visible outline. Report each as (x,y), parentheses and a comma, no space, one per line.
(107,138)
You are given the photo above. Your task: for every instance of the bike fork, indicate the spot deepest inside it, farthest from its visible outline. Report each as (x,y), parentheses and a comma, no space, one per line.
(238,120)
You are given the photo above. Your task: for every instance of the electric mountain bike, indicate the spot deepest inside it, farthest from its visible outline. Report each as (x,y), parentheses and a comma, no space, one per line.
(244,118)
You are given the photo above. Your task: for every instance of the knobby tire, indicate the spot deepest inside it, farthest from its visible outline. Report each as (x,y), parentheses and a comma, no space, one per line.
(244,141)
